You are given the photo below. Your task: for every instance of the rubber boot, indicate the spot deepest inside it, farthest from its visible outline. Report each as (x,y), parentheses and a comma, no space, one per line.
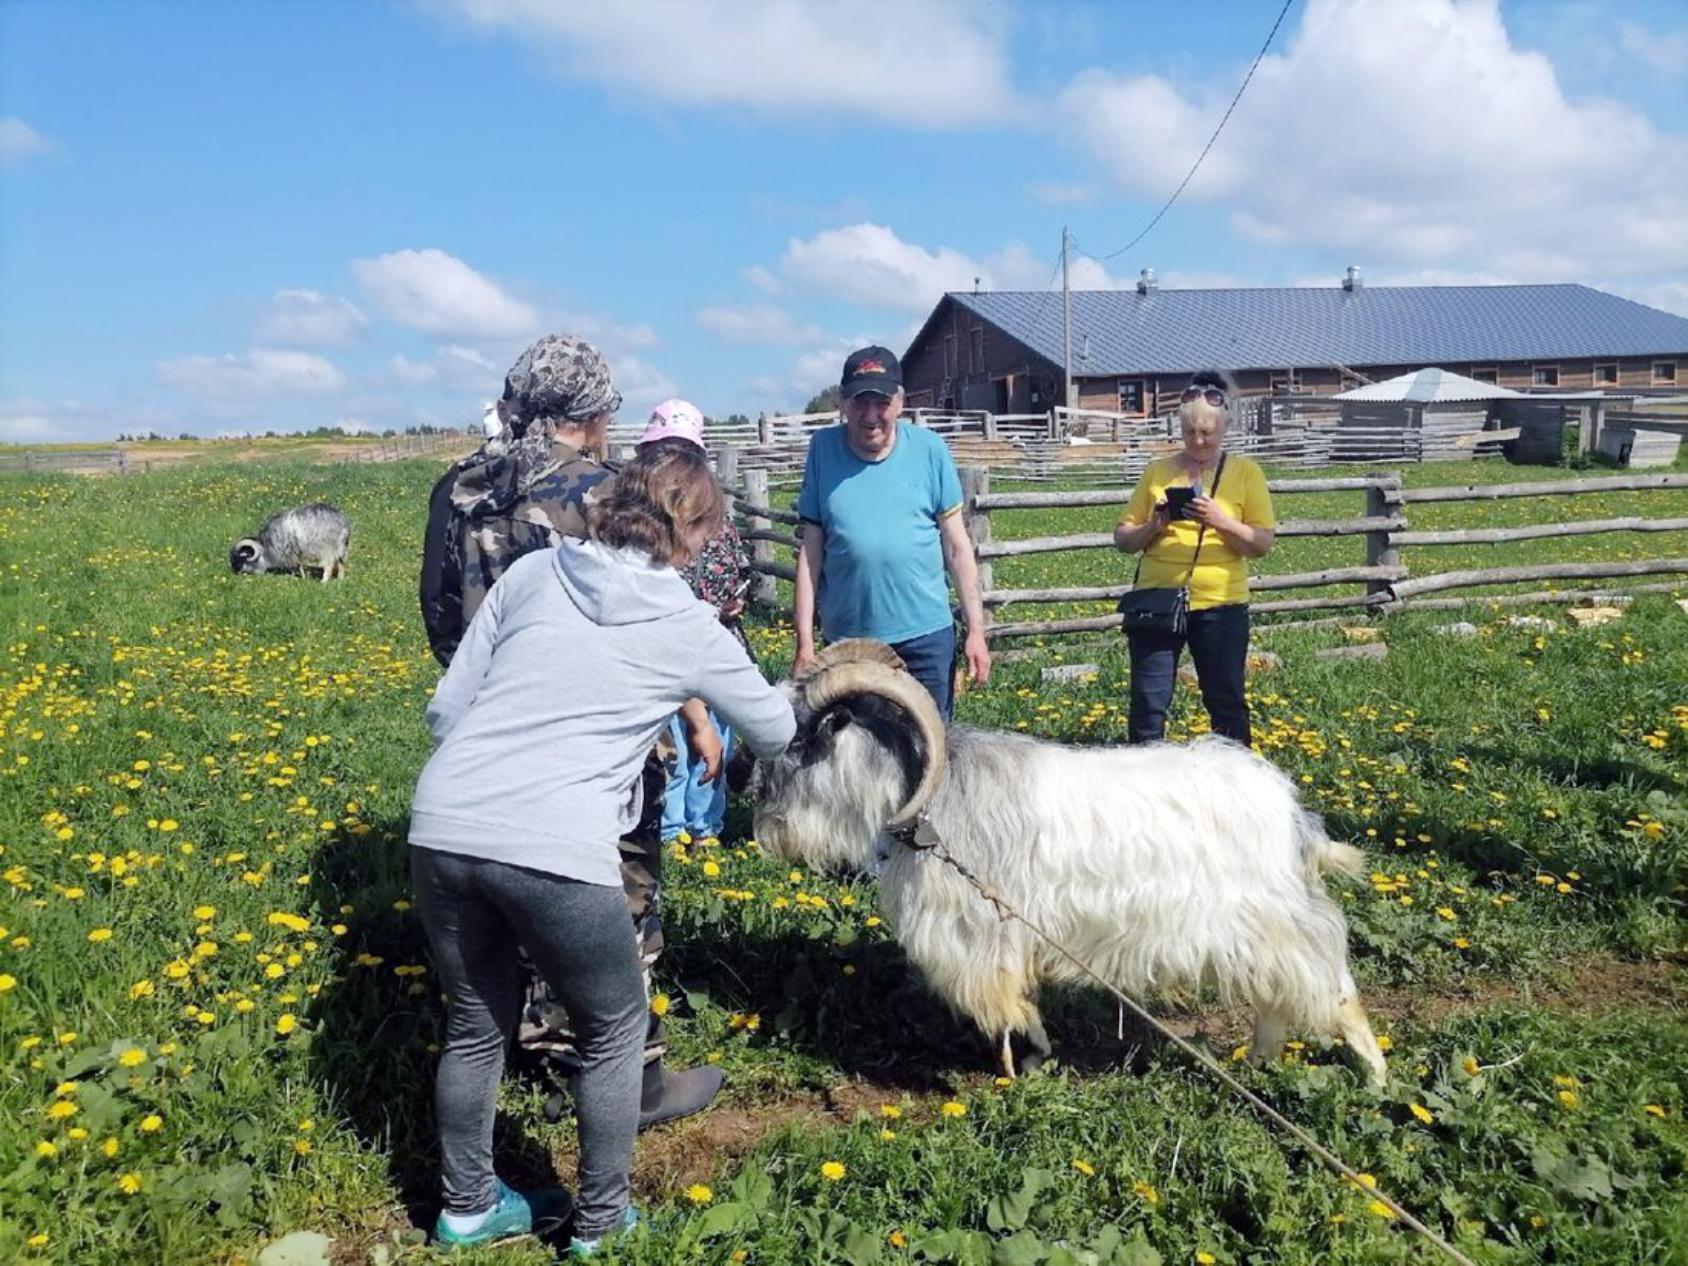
(668,1096)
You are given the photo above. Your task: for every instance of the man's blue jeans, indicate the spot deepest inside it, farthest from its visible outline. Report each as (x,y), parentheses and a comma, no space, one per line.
(1218,641)
(930,659)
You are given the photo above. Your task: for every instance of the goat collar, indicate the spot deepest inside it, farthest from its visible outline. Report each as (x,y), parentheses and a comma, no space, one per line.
(918,833)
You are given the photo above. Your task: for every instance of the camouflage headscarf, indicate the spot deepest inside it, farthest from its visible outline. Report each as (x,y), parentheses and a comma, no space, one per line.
(560,380)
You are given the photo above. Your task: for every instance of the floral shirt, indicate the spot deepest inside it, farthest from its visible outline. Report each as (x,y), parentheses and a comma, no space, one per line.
(718,571)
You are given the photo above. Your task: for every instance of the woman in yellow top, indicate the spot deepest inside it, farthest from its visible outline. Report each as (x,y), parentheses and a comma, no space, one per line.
(1230,516)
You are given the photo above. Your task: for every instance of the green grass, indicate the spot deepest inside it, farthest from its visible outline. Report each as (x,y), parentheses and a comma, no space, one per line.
(177,738)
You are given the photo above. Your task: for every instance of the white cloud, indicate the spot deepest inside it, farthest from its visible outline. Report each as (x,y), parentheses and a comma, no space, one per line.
(641,385)
(1667,53)
(757,323)
(1413,135)
(407,370)
(922,63)
(1059,193)
(762,279)
(19,141)
(437,293)
(237,384)
(311,319)
(469,356)
(1669,296)
(870,265)
(26,422)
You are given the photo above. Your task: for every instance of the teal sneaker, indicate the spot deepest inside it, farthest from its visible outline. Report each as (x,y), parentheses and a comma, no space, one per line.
(515,1214)
(579,1248)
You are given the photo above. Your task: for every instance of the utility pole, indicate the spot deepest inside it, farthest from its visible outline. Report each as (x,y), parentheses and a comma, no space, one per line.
(1066,324)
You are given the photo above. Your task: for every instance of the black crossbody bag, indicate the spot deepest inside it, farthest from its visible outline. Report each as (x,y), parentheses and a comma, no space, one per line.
(1163,610)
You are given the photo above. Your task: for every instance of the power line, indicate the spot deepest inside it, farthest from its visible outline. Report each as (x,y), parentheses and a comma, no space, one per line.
(1270,35)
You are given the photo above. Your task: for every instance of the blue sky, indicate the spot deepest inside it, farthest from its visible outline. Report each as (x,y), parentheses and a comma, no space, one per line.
(216,218)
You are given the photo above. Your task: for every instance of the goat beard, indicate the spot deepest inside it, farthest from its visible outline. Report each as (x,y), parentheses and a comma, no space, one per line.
(817,841)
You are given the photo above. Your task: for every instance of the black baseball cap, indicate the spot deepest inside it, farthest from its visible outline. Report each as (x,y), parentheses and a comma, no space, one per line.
(871,369)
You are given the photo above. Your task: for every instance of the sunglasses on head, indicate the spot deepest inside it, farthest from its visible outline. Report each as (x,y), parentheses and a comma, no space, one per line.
(1212,395)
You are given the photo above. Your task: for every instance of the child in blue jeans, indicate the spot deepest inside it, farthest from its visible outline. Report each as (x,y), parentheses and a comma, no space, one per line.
(719,576)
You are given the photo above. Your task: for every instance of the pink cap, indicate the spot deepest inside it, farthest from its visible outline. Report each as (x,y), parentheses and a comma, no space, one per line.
(674,420)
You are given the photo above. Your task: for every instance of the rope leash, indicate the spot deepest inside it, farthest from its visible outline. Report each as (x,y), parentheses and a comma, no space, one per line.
(924,837)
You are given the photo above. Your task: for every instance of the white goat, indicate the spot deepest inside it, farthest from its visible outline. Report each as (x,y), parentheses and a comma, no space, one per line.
(1163,867)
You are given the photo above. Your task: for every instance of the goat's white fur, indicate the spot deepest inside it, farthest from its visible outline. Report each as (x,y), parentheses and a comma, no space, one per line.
(1163,867)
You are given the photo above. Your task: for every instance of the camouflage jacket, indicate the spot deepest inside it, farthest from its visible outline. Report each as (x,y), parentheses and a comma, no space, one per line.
(490,509)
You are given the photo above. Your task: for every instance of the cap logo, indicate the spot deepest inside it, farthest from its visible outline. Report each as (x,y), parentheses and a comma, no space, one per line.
(870,367)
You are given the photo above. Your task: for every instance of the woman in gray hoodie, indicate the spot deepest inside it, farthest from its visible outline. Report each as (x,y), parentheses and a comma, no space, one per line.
(575,662)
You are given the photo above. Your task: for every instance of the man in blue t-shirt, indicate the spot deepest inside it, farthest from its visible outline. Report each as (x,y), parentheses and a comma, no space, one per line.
(881,510)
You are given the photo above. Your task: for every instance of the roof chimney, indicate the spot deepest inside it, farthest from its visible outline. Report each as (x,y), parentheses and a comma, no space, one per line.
(1351,281)
(1146,283)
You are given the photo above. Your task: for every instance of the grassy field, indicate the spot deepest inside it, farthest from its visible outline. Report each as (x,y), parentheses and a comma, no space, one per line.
(218,1022)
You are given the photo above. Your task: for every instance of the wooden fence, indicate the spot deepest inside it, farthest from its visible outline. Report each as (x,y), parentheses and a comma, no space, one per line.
(1385,581)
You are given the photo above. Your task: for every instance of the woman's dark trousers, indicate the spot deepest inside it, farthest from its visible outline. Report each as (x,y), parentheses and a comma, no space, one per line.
(1218,641)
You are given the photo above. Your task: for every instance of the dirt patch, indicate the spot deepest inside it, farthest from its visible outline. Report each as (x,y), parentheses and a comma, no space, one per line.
(697,1151)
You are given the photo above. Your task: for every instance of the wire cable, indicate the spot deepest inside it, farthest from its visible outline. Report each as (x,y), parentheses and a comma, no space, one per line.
(1205,1060)
(1258,57)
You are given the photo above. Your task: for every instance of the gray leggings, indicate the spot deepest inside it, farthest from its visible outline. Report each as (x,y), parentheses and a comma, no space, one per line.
(476,912)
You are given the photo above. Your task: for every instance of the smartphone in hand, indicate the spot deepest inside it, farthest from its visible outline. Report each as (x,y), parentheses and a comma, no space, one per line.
(1178,501)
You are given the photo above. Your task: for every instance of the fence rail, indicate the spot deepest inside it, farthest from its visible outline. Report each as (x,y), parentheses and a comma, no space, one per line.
(1390,584)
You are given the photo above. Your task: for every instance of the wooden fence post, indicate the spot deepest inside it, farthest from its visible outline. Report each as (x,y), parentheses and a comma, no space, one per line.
(1380,552)
(975,483)
(763,587)
(726,473)
(764,429)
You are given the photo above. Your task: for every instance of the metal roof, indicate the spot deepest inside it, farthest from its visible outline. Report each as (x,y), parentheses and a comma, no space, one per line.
(1429,386)
(1179,331)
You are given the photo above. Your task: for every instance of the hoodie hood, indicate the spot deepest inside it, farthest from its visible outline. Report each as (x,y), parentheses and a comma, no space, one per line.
(619,586)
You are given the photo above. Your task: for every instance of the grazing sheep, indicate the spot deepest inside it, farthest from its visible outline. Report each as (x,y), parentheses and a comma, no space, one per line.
(313,536)
(1163,867)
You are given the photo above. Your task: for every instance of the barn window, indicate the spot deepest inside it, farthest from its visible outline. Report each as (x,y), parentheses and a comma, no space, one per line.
(949,356)
(1606,375)
(1486,374)
(976,347)
(1132,392)
(1544,376)
(1664,372)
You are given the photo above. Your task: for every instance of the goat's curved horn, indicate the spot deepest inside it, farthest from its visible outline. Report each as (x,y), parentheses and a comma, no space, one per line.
(871,675)
(849,651)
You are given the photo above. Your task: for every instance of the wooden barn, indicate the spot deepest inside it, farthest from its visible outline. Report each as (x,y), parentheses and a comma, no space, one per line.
(1134,349)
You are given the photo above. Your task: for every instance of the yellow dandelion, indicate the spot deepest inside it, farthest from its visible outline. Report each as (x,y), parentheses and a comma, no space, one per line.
(1382,1210)
(697,1193)
(286,1023)
(131,1057)
(1205,1259)
(1148,1194)
(1422,1113)
(833,1171)
(109,1147)
(712,870)
(1567,1099)
(62,1109)
(151,1123)
(890,1111)
(1654,1110)
(897,1239)
(953,1109)
(141,989)
(203,913)
(1384,1042)
(8,982)
(1084,1167)
(659,1004)
(46,1149)
(129,1184)
(99,934)
(886,1136)
(38,1240)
